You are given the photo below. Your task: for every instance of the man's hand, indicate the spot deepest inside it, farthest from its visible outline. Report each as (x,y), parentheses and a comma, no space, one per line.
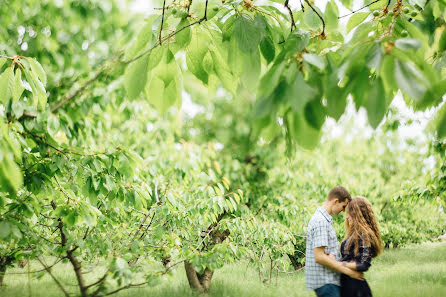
(355,274)
(330,262)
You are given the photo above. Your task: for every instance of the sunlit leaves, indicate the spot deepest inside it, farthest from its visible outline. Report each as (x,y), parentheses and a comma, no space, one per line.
(441,122)
(18,85)
(135,77)
(356,19)
(375,104)
(163,88)
(302,132)
(37,69)
(268,49)
(143,39)
(6,85)
(247,33)
(410,80)
(195,54)
(331,15)
(408,44)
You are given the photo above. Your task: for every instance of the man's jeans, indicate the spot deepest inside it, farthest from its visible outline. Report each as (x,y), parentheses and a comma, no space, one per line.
(328,290)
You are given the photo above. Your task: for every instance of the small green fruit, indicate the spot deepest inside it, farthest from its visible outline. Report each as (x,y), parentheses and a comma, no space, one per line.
(376,13)
(174,11)
(215,8)
(406,10)
(413,13)
(184,14)
(404,33)
(418,7)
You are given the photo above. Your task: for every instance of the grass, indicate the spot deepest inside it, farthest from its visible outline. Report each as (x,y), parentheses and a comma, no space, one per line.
(410,271)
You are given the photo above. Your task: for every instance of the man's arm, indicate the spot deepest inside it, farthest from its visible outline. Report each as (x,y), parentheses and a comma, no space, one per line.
(325,260)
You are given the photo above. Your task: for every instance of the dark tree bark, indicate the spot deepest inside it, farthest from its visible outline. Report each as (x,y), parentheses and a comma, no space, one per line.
(197,281)
(294,262)
(2,275)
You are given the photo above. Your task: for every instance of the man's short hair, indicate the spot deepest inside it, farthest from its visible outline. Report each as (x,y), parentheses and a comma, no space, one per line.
(339,193)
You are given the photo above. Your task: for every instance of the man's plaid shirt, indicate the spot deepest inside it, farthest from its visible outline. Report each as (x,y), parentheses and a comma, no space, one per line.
(320,233)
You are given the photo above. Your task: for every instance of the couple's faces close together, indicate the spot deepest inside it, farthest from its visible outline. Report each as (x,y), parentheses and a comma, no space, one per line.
(339,207)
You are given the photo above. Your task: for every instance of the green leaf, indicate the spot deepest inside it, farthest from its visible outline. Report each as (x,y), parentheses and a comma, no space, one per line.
(315,114)
(296,42)
(356,19)
(331,15)
(5,229)
(183,38)
(246,32)
(408,80)
(441,42)
(6,85)
(374,56)
(387,73)
(251,70)
(37,69)
(208,64)
(155,94)
(32,84)
(2,61)
(268,49)
(135,77)
(305,135)
(299,93)
(314,60)
(142,40)
(18,85)
(408,44)
(222,70)
(70,219)
(311,19)
(270,80)
(441,122)
(335,95)
(361,87)
(52,125)
(376,103)
(10,174)
(195,54)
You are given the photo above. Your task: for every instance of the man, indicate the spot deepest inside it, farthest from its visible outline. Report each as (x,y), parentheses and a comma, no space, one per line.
(322,271)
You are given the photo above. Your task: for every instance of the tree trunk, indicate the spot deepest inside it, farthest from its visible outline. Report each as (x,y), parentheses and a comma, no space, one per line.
(77,269)
(2,275)
(294,262)
(197,281)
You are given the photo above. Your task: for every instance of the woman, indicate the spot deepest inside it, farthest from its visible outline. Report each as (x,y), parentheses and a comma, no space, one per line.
(362,242)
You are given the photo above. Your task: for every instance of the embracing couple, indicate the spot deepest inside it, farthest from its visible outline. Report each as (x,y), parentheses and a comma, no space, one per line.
(329,273)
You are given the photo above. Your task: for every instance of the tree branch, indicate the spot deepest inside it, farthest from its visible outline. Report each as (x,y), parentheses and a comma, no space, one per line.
(355,11)
(322,19)
(293,24)
(53,277)
(162,22)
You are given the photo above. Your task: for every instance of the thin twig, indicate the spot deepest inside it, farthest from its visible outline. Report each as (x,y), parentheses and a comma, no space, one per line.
(162,21)
(355,11)
(293,25)
(204,18)
(53,277)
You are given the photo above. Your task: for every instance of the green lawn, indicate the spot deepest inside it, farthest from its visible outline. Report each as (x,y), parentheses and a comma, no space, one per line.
(411,271)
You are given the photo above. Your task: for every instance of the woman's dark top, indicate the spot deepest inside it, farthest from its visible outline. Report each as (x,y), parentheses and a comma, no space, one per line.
(352,287)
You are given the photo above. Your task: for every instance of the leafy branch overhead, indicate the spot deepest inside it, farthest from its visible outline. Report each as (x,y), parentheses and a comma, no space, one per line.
(242,43)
